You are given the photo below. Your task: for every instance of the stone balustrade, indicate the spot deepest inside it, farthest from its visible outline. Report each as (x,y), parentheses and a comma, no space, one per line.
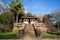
(41,26)
(19,25)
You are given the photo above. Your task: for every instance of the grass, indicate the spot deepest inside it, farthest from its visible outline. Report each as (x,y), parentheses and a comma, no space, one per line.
(12,35)
(9,35)
(47,35)
(58,31)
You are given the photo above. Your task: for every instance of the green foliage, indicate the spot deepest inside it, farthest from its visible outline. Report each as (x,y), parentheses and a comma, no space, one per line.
(15,30)
(9,35)
(17,9)
(6,18)
(49,16)
(58,31)
(6,22)
(47,35)
(55,18)
(4,28)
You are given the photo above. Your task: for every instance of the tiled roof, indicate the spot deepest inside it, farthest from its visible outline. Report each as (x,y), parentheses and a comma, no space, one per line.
(28,16)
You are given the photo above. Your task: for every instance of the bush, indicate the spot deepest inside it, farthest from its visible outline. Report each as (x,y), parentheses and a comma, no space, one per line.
(58,31)
(4,28)
(15,30)
(9,35)
(47,35)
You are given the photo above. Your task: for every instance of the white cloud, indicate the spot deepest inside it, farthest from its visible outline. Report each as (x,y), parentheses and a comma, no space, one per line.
(2,5)
(26,9)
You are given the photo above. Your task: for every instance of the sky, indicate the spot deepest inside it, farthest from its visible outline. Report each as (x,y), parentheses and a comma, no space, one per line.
(38,6)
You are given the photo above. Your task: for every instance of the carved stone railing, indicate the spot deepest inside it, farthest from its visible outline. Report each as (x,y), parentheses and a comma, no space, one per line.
(20,27)
(17,24)
(41,26)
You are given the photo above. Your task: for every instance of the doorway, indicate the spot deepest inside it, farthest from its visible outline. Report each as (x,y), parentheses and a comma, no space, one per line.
(26,21)
(29,20)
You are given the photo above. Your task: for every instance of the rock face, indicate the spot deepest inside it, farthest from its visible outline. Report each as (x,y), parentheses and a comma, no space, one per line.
(45,24)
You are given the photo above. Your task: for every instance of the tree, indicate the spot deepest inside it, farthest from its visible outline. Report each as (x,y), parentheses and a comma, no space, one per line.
(17,8)
(55,17)
(6,21)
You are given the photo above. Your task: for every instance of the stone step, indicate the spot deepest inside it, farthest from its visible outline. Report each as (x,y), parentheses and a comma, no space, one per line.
(29,31)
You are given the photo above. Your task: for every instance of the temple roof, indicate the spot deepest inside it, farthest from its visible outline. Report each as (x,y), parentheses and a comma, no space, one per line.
(28,16)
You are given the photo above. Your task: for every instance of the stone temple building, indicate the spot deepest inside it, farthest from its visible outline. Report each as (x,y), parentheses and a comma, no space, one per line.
(30,22)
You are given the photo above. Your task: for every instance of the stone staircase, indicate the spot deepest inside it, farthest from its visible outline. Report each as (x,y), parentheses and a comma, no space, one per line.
(29,31)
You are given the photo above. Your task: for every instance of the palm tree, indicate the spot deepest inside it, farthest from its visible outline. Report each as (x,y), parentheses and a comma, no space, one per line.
(17,7)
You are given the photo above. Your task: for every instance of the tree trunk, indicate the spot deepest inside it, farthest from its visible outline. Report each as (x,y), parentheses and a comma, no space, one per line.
(58,22)
(58,25)
(17,18)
